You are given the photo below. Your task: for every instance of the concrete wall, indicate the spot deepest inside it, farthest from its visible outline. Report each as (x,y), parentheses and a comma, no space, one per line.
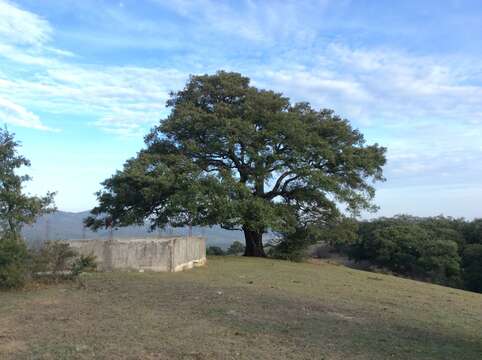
(166,254)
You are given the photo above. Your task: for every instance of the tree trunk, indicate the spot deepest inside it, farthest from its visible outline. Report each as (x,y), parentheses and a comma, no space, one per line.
(254,243)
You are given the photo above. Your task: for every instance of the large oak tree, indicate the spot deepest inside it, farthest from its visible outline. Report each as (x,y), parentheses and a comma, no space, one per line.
(245,159)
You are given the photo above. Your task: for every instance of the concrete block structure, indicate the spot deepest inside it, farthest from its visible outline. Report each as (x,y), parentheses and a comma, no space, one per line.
(162,254)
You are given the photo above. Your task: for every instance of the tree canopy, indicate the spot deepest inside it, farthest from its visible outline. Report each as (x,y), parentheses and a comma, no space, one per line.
(246,159)
(16,207)
(439,249)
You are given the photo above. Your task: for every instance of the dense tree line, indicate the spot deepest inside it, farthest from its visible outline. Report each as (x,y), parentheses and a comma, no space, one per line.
(442,250)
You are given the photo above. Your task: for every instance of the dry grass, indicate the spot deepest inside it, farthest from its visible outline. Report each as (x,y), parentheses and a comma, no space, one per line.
(239,308)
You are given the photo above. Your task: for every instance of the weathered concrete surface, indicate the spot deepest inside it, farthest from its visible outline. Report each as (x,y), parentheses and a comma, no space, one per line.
(165,254)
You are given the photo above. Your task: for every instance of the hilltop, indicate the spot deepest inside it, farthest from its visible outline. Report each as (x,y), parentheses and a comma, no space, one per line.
(243,308)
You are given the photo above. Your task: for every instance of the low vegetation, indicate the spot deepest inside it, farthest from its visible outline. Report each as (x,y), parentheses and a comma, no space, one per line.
(54,261)
(440,249)
(242,308)
(236,248)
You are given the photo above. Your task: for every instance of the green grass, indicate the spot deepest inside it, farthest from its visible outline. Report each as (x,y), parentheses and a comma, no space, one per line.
(241,308)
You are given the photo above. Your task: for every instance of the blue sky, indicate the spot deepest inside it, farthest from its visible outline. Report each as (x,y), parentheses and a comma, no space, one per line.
(81,82)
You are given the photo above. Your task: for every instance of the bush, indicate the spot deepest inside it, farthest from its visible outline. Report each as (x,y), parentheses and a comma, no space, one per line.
(339,234)
(83,264)
(215,250)
(53,261)
(57,260)
(293,246)
(13,263)
(440,262)
(472,267)
(236,248)
(54,257)
(287,250)
(410,248)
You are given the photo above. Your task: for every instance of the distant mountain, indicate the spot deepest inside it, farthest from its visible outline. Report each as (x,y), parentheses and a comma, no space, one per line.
(62,225)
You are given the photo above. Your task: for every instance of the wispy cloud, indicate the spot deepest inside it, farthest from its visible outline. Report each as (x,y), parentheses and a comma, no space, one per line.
(263,22)
(15,114)
(21,27)
(124,99)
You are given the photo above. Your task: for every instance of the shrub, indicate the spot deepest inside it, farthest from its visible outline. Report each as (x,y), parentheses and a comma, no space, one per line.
(57,260)
(83,263)
(287,250)
(293,246)
(236,248)
(339,234)
(214,250)
(409,248)
(13,263)
(54,257)
(440,262)
(472,267)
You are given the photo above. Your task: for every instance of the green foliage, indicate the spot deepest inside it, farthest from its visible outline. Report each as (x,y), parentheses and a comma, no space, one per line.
(83,263)
(56,260)
(292,246)
(16,208)
(13,263)
(214,251)
(236,248)
(472,231)
(53,257)
(243,158)
(425,248)
(472,267)
(339,234)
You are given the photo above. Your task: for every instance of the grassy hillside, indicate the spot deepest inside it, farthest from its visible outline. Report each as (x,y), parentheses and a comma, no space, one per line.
(240,308)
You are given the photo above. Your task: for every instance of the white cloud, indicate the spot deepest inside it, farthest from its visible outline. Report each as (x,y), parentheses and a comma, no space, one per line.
(264,21)
(18,26)
(123,99)
(382,87)
(12,113)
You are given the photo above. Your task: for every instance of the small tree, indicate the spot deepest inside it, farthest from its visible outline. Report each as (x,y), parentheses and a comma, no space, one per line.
(16,208)
(246,159)
(236,248)
(472,267)
(215,250)
(13,260)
